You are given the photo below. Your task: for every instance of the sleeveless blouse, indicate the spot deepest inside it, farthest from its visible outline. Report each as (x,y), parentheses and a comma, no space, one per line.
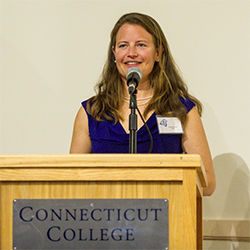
(107,137)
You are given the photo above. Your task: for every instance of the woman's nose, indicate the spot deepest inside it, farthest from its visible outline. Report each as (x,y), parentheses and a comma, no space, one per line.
(132,51)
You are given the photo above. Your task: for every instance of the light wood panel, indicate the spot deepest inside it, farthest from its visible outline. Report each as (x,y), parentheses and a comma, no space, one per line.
(133,176)
(78,164)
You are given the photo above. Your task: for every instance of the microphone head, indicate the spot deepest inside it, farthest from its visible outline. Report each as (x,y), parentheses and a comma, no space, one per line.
(134,71)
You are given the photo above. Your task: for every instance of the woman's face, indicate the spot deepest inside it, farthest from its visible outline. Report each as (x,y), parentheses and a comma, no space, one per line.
(135,48)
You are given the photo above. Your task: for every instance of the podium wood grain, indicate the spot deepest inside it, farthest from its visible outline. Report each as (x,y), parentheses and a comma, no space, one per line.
(178,178)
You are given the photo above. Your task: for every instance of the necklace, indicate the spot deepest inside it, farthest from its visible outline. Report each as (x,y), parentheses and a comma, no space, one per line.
(126,99)
(139,99)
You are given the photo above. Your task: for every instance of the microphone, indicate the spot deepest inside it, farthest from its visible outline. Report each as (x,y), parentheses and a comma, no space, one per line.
(134,75)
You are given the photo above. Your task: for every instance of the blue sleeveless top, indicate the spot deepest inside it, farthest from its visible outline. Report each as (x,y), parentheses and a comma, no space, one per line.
(107,137)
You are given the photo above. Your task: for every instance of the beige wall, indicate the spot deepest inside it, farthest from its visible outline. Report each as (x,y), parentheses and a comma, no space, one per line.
(52,53)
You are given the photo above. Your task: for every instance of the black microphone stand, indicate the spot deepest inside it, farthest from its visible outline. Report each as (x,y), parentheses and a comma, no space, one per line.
(133,123)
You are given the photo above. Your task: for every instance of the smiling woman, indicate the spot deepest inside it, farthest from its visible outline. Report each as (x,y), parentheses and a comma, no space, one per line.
(135,48)
(101,125)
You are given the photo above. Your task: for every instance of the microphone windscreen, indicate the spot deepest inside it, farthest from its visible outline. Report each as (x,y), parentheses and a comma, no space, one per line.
(132,71)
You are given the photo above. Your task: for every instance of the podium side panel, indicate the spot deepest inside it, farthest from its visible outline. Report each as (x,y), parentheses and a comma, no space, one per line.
(190,209)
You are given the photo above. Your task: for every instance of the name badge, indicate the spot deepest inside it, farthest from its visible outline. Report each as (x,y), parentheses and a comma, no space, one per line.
(169,125)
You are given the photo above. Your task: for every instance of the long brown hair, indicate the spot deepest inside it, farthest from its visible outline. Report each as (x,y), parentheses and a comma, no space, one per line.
(166,79)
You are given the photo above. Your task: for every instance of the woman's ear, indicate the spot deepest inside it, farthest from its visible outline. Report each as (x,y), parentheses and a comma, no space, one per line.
(113,50)
(159,51)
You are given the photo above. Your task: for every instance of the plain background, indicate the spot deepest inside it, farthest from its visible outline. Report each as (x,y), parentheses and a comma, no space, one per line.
(52,54)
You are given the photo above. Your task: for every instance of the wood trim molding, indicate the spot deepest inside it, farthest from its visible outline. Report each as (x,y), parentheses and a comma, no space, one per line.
(233,230)
(78,165)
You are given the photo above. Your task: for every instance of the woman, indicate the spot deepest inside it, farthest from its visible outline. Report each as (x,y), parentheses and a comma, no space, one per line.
(102,122)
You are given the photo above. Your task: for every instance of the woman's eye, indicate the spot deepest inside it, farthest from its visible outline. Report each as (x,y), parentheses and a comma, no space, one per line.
(122,45)
(141,45)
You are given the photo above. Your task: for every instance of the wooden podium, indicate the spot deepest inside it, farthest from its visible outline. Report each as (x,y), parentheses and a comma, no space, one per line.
(177,177)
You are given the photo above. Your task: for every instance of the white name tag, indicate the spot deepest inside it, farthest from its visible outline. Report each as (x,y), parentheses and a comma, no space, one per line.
(169,125)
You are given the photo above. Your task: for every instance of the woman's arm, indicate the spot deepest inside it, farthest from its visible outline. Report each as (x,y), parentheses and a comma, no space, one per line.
(81,142)
(194,141)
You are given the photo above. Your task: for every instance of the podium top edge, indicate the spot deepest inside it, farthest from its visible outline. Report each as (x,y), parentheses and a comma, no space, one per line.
(66,160)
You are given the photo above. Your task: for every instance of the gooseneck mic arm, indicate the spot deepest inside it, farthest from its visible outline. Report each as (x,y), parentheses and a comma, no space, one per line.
(133,124)
(133,75)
